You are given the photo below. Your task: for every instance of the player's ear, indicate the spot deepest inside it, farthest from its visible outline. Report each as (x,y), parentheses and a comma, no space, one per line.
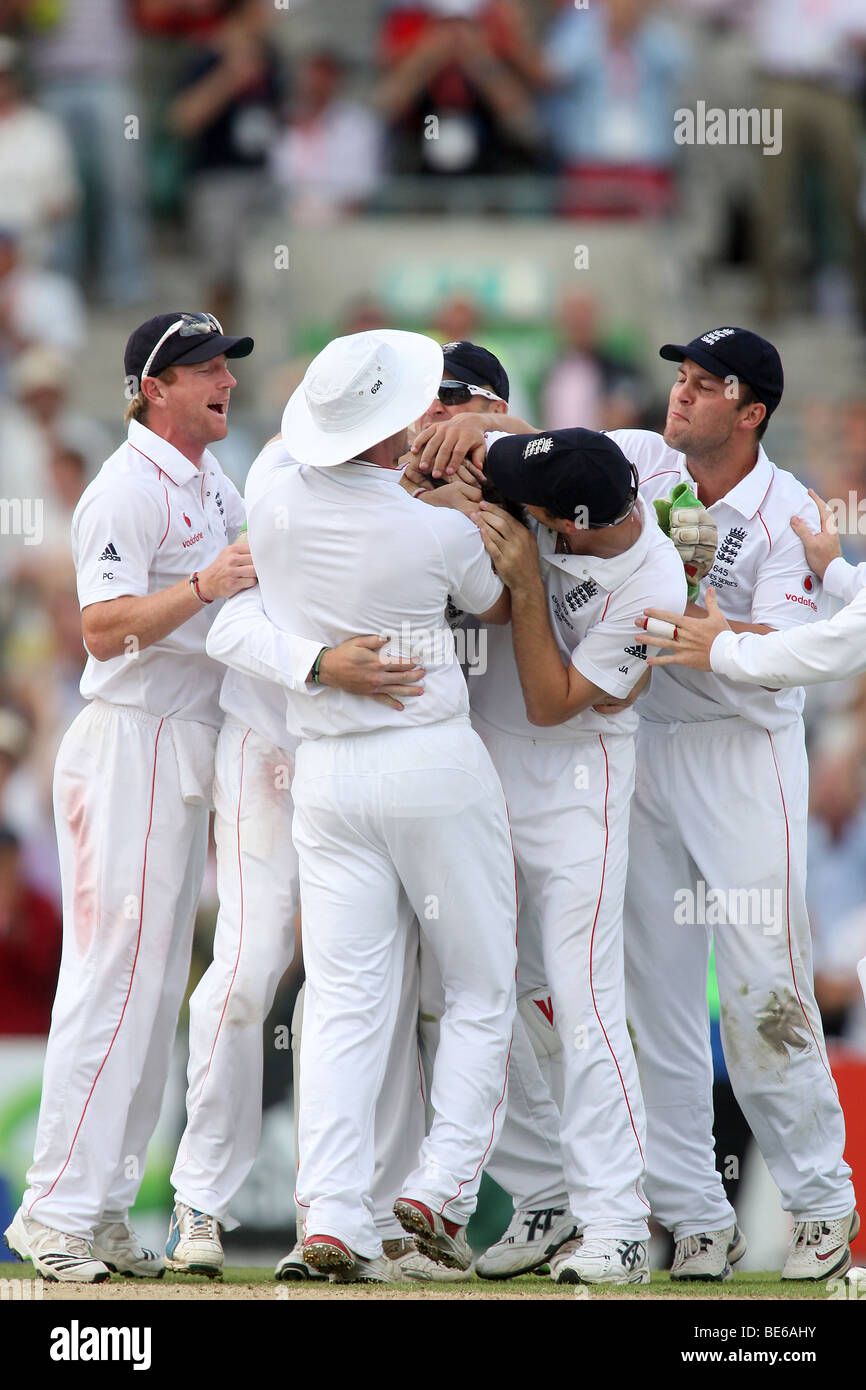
(752,415)
(498,407)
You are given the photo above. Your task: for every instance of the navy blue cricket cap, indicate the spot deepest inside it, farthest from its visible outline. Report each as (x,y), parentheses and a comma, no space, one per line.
(562,471)
(197,337)
(468,362)
(735,352)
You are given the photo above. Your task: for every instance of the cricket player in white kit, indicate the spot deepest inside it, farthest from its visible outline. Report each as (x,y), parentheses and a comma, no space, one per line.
(386,802)
(567,770)
(153,543)
(832,650)
(721,802)
(257,880)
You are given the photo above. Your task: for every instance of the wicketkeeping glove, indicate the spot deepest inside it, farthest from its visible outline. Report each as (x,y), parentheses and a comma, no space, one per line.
(693,532)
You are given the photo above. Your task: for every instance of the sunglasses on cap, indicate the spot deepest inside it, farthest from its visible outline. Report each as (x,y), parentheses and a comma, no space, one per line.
(627,508)
(188,326)
(461,393)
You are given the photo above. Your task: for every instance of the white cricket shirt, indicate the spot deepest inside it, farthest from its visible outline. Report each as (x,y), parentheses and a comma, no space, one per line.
(148,519)
(825,651)
(760,572)
(593,604)
(262,661)
(345,551)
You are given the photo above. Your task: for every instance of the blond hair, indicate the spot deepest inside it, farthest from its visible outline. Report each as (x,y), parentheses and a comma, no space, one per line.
(137,408)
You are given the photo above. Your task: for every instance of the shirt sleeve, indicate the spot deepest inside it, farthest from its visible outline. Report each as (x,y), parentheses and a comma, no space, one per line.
(472,583)
(116,533)
(236,516)
(825,651)
(242,636)
(843,580)
(611,654)
(786,593)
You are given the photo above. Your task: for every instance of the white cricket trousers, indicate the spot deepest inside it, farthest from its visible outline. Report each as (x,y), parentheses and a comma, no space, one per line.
(131,800)
(389,825)
(569,808)
(399,1126)
(720,807)
(254,941)
(527,1159)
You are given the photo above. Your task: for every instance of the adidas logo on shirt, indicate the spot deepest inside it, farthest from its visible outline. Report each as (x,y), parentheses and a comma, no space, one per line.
(109,553)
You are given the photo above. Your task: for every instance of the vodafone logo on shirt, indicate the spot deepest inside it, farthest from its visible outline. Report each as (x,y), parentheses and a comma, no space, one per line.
(808,584)
(193,540)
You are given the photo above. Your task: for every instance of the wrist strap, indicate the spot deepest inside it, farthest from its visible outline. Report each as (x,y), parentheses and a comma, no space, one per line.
(317,663)
(193,584)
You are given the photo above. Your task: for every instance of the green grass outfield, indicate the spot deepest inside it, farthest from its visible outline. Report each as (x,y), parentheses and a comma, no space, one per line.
(258,1284)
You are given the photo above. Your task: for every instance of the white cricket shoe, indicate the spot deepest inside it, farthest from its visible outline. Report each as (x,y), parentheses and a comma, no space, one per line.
(708,1256)
(819,1248)
(117,1246)
(58,1257)
(407,1262)
(594,1260)
(293,1267)
(193,1245)
(440,1240)
(330,1255)
(532,1237)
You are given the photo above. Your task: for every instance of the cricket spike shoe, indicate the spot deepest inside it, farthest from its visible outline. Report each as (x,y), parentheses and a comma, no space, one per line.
(58,1257)
(407,1262)
(819,1248)
(294,1268)
(530,1240)
(332,1256)
(594,1260)
(194,1245)
(707,1258)
(441,1241)
(117,1246)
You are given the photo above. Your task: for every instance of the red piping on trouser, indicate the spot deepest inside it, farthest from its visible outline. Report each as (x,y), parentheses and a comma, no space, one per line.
(591,943)
(48,1192)
(510,1043)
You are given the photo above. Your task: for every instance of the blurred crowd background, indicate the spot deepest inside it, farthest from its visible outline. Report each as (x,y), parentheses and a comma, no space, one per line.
(500,170)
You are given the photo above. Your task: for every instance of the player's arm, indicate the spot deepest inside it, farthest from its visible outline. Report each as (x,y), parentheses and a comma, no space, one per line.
(824,651)
(244,637)
(552,692)
(117,612)
(459,443)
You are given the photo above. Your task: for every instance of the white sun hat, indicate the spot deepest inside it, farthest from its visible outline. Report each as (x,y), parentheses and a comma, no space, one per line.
(358,391)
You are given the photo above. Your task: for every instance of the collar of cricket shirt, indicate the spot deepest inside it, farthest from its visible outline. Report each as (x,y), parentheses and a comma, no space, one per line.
(609,571)
(166,459)
(748,494)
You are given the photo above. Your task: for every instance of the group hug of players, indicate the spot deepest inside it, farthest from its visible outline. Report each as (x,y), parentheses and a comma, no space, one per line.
(415,812)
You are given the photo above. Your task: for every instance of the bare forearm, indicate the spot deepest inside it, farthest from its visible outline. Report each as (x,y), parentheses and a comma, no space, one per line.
(131,624)
(543,677)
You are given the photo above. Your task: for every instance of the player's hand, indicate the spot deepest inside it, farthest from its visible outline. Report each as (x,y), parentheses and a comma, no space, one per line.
(820,546)
(511,547)
(460,496)
(695,535)
(688,638)
(442,448)
(610,705)
(231,571)
(412,477)
(358,667)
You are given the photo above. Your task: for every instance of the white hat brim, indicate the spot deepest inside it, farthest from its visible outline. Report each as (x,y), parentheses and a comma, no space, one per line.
(308,443)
